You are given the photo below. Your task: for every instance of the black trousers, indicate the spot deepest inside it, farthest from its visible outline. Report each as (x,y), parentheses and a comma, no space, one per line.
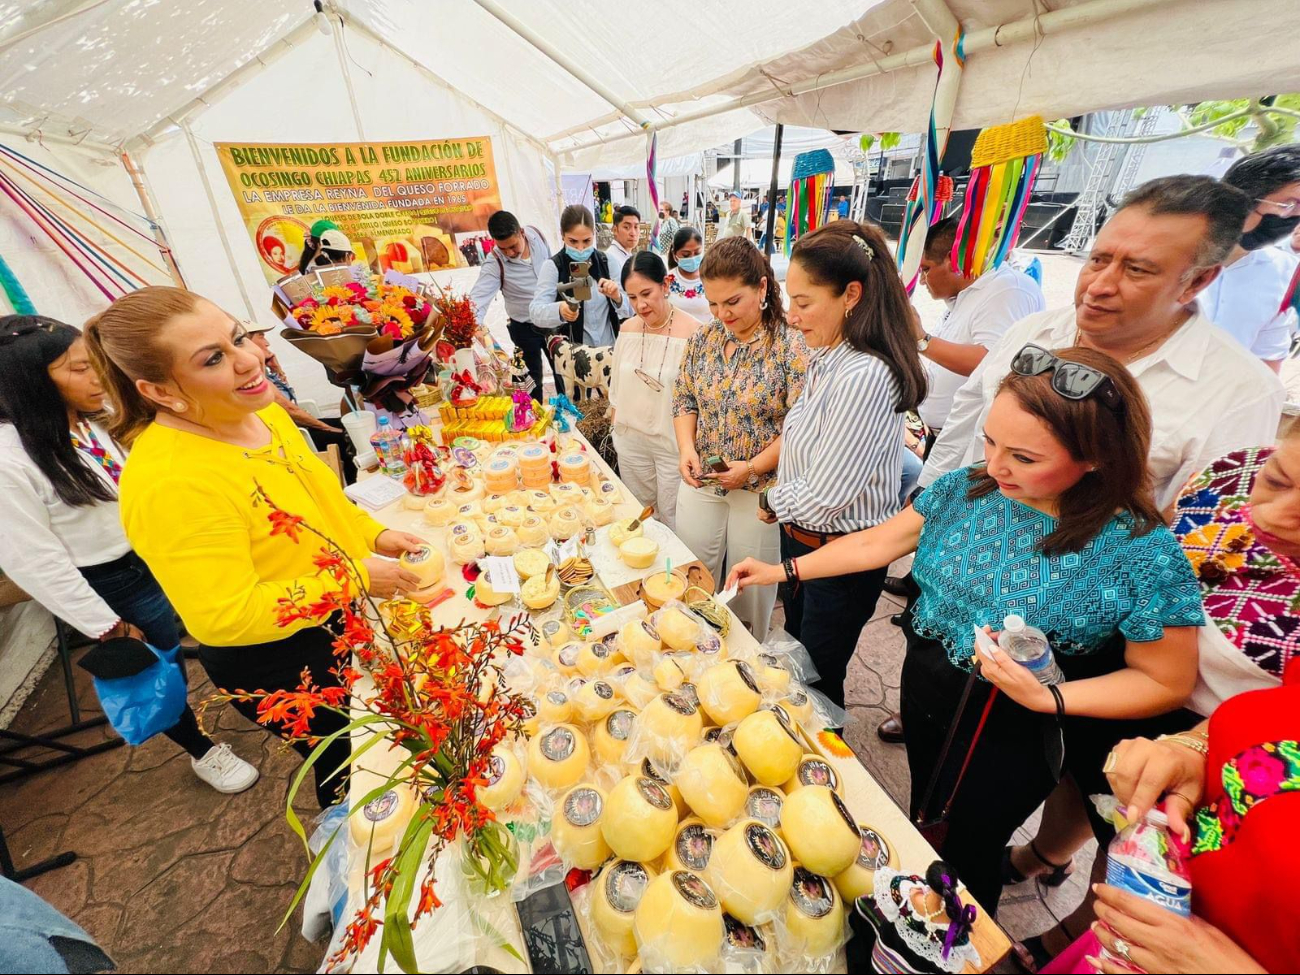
(532,342)
(277,665)
(827,617)
(1009,774)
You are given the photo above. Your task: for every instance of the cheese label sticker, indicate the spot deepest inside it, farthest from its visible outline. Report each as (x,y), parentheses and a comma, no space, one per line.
(582,807)
(773,661)
(557,698)
(875,851)
(600,650)
(460,529)
(679,703)
(466,509)
(377,810)
(551,627)
(844,811)
(783,720)
(709,645)
(603,690)
(813,771)
(690,693)
(747,675)
(619,724)
(558,744)
(624,884)
(764,804)
(797,698)
(624,671)
(568,655)
(496,767)
(694,846)
(650,772)
(742,937)
(650,631)
(767,849)
(812,895)
(654,793)
(421,554)
(694,890)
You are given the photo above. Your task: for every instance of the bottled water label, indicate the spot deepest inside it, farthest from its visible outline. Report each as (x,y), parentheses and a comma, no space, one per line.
(1170,892)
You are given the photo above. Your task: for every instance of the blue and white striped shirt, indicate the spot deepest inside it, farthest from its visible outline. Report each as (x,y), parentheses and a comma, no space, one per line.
(842,446)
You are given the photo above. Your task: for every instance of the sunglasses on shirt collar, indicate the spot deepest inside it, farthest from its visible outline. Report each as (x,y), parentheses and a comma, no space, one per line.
(1073,380)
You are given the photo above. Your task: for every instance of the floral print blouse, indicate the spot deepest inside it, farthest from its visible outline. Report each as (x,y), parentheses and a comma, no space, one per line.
(740,404)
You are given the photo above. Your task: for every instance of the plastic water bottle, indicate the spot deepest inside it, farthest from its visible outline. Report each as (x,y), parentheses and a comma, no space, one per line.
(1028,645)
(387,443)
(1147,860)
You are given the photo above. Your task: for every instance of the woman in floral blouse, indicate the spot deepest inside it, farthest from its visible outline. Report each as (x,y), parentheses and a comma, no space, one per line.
(741,374)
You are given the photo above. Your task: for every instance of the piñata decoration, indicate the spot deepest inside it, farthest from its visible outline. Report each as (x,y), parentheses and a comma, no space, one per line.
(1004,164)
(811,180)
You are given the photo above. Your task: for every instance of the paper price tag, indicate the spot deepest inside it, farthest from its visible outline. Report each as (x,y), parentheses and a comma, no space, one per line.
(500,572)
(553,553)
(568,550)
(726,596)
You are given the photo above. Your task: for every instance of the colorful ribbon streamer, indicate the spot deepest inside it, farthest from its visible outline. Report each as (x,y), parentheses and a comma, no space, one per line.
(652,167)
(1004,164)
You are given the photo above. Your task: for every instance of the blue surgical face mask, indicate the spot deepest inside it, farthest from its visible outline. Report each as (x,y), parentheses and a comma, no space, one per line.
(691,264)
(579,255)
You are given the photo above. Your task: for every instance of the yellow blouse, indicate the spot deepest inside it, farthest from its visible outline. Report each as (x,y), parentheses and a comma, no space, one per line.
(187,508)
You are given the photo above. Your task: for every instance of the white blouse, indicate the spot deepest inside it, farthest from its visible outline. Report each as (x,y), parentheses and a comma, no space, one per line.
(638,405)
(45,539)
(689,296)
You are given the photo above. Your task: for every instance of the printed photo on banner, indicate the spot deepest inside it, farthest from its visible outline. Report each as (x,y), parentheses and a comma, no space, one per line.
(404,206)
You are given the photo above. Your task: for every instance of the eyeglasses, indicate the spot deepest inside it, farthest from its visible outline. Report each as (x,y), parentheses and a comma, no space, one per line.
(1073,380)
(1280,209)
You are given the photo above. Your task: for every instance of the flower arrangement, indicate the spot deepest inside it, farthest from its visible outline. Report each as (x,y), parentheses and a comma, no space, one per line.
(439,695)
(459,321)
(390,309)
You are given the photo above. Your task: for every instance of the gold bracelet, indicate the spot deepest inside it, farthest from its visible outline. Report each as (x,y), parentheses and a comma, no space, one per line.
(753,474)
(1195,742)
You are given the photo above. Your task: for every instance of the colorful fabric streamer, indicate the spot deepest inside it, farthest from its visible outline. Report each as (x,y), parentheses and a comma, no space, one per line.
(1004,164)
(14,290)
(811,179)
(652,167)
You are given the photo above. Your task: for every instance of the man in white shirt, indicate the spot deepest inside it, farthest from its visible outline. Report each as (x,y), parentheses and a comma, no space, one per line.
(627,230)
(736,222)
(1136,300)
(511,270)
(1246,299)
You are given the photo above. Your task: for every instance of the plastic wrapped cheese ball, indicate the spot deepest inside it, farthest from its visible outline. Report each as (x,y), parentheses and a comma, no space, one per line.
(575,828)
(554,707)
(639,819)
(494,503)
(639,689)
(678,924)
(773,673)
(557,632)
(752,950)
(566,658)
(426,562)
(534,531)
(651,771)
(819,830)
(640,642)
(676,629)
(511,515)
(798,705)
(531,562)
(439,512)
(692,847)
(813,770)
(668,674)
(501,541)
(485,594)
(597,658)
(728,692)
(765,805)
(601,511)
(567,493)
(558,758)
(565,523)
(710,647)
(469,511)
(859,879)
(541,502)
(814,914)
(505,779)
(712,784)
(380,822)
(595,700)
(616,892)
(767,747)
(612,734)
(466,548)
(751,872)
(668,727)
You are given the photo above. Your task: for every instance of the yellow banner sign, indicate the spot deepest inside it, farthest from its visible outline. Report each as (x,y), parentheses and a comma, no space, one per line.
(406,206)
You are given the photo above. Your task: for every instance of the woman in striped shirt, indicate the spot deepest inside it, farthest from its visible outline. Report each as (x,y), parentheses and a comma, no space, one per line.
(842,447)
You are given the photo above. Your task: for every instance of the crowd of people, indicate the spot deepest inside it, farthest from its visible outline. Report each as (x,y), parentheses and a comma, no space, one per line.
(1109,471)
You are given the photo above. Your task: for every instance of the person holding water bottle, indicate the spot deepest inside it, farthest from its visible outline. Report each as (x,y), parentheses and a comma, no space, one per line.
(1059,527)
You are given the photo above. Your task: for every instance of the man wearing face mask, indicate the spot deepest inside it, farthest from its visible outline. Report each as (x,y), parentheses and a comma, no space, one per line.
(1246,299)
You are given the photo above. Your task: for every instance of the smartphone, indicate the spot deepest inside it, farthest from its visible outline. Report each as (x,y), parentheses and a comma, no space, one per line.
(716,464)
(551,932)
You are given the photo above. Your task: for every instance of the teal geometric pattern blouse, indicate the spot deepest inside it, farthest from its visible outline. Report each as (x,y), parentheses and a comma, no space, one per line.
(978,561)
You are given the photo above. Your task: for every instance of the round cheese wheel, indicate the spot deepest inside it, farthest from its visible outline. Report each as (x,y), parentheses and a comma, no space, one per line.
(668,674)
(601,511)
(767,746)
(566,658)
(567,493)
(751,871)
(773,673)
(750,949)
(426,563)
(540,591)
(439,512)
(669,726)
(464,494)
(712,784)
(610,492)
(531,562)
(505,779)
(860,879)
(414,502)
(692,847)
(640,689)
(494,503)
(595,700)
(639,553)
(616,892)
(728,692)
(677,629)
(678,923)
(812,770)
(612,734)
(821,833)
(565,523)
(640,642)
(534,531)
(639,819)
(557,633)
(501,541)
(798,705)
(554,707)
(558,758)
(511,515)
(541,502)
(381,822)
(814,914)
(651,771)
(764,804)
(485,594)
(467,548)
(575,828)
(469,511)
(597,658)
(619,532)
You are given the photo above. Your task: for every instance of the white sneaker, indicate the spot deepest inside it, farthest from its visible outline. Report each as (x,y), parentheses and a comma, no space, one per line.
(224,770)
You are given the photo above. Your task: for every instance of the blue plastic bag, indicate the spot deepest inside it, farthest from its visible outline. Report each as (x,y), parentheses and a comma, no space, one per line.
(145,704)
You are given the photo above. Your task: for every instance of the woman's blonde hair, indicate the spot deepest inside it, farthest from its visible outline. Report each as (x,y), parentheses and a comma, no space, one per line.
(125,345)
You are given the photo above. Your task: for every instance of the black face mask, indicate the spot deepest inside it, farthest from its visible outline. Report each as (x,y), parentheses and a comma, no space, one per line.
(1271,229)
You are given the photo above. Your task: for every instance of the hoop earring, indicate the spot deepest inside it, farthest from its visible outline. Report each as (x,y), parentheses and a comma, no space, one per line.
(762,305)
(847,309)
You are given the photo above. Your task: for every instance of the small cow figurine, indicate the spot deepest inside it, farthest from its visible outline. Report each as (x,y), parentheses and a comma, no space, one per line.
(582,367)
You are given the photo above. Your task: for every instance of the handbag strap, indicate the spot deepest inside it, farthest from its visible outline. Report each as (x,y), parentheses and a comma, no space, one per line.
(942,760)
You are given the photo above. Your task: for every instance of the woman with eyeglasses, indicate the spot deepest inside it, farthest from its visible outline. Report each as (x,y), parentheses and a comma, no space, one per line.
(1058,526)
(62,539)
(685,286)
(647,357)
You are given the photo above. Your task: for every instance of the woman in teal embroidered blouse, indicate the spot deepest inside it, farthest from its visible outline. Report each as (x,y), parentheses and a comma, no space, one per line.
(1059,526)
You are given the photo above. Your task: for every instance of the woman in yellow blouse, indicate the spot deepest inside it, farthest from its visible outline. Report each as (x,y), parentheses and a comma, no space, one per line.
(740,375)
(190,394)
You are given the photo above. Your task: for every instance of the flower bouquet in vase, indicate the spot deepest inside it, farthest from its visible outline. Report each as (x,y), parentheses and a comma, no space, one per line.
(438,698)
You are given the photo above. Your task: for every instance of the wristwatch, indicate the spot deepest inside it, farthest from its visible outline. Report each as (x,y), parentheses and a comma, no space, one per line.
(923,342)
(763,503)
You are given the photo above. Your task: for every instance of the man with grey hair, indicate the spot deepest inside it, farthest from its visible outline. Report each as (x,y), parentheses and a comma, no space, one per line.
(1136,300)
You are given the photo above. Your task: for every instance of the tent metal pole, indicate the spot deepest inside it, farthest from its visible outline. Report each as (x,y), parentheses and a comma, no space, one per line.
(1051,22)
(770,234)
(563,60)
(136,173)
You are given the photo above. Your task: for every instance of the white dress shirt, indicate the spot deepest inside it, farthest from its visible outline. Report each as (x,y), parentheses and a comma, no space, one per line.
(979,315)
(1208,397)
(44,540)
(617,255)
(520,278)
(1246,298)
